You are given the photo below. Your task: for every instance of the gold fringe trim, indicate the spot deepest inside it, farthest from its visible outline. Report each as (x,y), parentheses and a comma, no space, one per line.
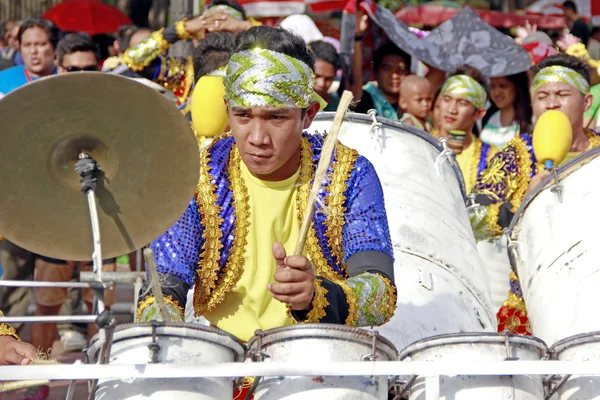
(352,300)
(345,158)
(150,300)
(211,224)
(188,83)
(7,330)
(594,139)
(318,305)
(524,163)
(140,56)
(182,32)
(235,262)
(493,212)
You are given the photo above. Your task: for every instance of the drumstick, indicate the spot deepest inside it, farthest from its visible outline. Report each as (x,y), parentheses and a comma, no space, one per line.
(10,386)
(155,283)
(324,162)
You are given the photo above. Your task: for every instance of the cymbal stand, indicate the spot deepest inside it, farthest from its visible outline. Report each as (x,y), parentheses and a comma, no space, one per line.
(87,168)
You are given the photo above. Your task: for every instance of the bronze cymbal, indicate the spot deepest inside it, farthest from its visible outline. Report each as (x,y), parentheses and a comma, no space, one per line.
(144,146)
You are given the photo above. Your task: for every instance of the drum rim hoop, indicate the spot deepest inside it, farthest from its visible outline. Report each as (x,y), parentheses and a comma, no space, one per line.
(563,172)
(574,341)
(324,331)
(139,331)
(472,338)
(351,116)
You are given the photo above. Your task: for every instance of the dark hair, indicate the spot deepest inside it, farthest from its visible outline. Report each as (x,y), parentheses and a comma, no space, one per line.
(595,30)
(384,50)
(522,104)
(48,26)
(231,3)
(74,42)
(213,52)
(474,73)
(570,5)
(564,60)
(2,30)
(326,52)
(275,39)
(124,34)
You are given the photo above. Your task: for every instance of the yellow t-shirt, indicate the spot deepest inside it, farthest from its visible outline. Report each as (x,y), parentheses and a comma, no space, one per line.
(273,218)
(465,162)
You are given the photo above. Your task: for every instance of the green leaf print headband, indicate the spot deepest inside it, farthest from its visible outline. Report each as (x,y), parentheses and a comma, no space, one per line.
(560,74)
(466,87)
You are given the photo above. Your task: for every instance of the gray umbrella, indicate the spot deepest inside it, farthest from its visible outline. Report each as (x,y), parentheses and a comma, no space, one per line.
(467,39)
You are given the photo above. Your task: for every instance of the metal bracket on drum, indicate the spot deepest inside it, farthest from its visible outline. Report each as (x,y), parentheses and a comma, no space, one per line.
(373,356)
(551,387)
(107,323)
(401,388)
(556,187)
(443,156)
(376,127)
(513,250)
(154,347)
(509,356)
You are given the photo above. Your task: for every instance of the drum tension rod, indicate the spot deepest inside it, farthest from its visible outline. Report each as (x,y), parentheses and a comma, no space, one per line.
(107,322)
(509,356)
(376,127)
(154,347)
(556,187)
(373,356)
(446,154)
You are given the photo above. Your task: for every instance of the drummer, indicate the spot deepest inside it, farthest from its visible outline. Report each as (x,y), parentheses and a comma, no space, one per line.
(236,239)
(560,82)
(462,102)
(12,349)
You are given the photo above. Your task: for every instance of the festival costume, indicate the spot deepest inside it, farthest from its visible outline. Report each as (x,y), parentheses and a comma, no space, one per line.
(501,190)
(223,241)
(415,122)
(7,330)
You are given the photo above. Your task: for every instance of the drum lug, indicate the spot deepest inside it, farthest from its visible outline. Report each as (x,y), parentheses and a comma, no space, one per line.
(553,384)
(556,187)
(259,355)
(513,251)
(373,356)
(445,155)
(509,356)
(376,127)
(154,347)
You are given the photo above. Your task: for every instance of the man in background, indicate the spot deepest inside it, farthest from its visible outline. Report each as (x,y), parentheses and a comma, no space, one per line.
(579,27)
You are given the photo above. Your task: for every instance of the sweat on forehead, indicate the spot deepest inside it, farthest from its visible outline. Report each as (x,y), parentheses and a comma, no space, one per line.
(414,83)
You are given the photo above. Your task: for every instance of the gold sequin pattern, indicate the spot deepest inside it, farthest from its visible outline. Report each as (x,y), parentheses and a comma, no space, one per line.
(388,307)
(344,163)
(352,300)
(171,304)
(211,224)
(140,56)
(7,330)
(518,182)
(180,29)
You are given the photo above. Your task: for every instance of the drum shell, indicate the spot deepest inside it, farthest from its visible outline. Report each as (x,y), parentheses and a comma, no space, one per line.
(314,343)
(558,254)
(476,347)
(429,227)
(584,347)
(179,344)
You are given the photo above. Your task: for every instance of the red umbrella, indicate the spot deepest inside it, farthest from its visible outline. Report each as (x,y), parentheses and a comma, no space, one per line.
(435,14)
(91,16)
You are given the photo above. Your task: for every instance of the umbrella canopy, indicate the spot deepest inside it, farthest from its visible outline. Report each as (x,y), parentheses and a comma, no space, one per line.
(91,16)
(437,12)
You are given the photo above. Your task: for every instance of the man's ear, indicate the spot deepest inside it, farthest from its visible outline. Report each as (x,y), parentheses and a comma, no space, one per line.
(588,99)
(311,113)
(480,114)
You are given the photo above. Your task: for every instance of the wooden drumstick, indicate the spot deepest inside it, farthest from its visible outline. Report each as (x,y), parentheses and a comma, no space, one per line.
(324,162)
(155,284)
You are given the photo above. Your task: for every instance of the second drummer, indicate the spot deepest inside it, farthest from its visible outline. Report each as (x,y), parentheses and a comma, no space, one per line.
(234,240)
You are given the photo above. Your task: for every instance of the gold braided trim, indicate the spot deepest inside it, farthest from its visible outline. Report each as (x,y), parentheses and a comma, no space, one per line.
(345,158)
(140,56)
(352,300)
(150,300)
(516,302)
(594,139)
(211,224)
(7,330)
(180,29)
(391,297)
(188,81)
(493,212)
(231,274)
(318,305)
(474,163)
(523,177)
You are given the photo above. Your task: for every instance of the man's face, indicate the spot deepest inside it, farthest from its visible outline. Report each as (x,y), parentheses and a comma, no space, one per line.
(268,138)
(78,61)
(37,51)
(457,113)
(12,36)
(324,76)
(392,70)
(563,97)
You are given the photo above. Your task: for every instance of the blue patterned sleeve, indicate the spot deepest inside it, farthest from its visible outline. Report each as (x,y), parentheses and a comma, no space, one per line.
(177,251)
(366,227)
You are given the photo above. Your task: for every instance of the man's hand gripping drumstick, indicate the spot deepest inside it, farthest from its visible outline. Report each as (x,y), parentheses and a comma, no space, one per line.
(295,275)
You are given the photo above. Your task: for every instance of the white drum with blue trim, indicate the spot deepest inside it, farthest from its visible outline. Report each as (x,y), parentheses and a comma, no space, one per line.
(442,284)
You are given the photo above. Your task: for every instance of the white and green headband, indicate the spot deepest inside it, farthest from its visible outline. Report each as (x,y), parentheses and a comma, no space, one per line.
(560,74)
(265,78)
(466,87)
(229,10)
